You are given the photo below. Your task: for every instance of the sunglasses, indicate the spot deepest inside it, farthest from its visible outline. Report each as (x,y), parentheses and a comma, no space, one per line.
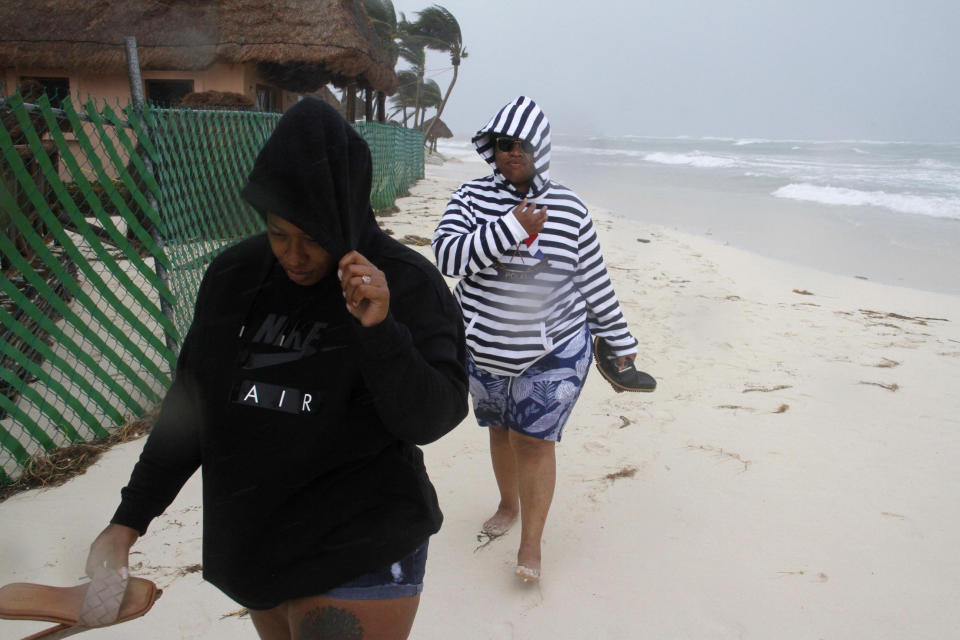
(506,145)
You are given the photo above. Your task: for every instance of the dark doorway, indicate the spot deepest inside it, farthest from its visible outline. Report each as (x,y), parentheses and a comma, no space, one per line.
(167,93)
(56,89)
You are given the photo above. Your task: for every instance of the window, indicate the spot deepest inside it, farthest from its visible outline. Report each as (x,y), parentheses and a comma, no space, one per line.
(32,87)
(167,93)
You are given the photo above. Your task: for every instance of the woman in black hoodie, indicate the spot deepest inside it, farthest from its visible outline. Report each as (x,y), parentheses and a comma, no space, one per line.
(320,355)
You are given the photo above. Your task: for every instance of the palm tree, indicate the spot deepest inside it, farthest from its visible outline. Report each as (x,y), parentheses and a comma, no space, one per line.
(383,16)
(384,19)
(430,96)
(412,50)
(440,31)
(406,96)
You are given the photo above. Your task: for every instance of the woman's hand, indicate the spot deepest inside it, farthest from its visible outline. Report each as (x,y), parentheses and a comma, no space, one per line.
(527,215)
(111,549)
(364,288)
(623,360)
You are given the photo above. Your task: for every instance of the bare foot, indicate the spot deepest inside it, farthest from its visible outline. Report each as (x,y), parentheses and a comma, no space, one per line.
(528,564)
(499,523)
(528,574)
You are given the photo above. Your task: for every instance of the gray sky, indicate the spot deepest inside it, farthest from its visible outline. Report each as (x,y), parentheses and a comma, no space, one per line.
(809,69)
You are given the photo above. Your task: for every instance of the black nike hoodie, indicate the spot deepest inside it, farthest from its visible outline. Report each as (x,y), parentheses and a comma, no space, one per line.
(304,422)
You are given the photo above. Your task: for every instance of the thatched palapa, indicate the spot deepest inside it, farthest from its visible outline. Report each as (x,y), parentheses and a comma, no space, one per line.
(299,44)
(439,130)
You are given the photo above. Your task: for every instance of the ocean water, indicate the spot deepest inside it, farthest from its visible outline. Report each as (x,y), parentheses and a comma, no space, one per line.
(885,211)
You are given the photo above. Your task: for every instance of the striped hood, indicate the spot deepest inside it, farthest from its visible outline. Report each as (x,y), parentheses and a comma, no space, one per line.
(523,119)
(524,295)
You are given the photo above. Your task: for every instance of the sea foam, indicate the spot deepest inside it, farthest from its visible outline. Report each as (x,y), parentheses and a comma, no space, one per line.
(694,159)
(461,150)
(938,207)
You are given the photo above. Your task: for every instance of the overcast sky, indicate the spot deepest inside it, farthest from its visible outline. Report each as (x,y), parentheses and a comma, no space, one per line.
(808,69)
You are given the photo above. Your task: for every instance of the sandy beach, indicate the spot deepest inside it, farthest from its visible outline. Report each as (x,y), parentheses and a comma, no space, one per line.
(793,476)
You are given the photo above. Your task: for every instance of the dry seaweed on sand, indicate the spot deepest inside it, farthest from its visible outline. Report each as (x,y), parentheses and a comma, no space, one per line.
(54,468)
(767,389)
(239,613)
(626,472)
(733,407)
(922,320)
(893,386)
(190,568)
(887,363)
(418,241)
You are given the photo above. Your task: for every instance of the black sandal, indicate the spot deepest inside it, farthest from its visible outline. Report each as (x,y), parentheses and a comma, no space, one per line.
(626,379)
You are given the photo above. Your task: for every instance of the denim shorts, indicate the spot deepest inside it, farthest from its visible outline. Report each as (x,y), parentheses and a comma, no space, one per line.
(538,402)
(401,579)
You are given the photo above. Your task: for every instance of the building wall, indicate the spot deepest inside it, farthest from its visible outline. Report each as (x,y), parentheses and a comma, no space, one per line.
(114,90)
(115,87)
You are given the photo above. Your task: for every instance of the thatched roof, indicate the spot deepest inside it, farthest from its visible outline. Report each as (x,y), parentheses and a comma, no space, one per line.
(218,100)
(440,130)
(296,42)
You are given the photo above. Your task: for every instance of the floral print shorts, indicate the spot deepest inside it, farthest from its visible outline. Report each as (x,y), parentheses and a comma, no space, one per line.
(537,402)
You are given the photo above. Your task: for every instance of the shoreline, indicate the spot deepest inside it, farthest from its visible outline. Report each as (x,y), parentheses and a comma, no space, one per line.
(906,250)
(739,207)
(790,477)
(460,170)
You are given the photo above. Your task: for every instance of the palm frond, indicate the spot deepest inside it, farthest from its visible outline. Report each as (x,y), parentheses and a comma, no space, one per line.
(441,31)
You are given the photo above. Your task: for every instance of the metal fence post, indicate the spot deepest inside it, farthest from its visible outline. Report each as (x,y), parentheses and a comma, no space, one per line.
(139,102)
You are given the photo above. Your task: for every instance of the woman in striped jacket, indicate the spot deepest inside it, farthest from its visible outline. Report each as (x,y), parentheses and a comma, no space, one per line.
(533,289)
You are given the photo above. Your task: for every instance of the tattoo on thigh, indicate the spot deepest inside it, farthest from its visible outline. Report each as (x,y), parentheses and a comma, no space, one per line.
(330,623)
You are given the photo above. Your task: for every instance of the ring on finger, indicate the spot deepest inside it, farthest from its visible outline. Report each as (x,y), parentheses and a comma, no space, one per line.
(365,279)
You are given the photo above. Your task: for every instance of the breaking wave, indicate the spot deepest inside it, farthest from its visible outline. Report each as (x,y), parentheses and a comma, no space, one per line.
(934,206)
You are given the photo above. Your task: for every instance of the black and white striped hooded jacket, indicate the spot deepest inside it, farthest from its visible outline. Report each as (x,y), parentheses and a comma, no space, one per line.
(520,302)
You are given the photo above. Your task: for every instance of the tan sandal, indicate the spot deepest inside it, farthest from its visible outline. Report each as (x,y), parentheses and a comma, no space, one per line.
(106,600)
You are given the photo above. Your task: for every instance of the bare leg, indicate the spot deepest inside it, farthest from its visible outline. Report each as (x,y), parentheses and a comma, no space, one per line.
(271,624)
(505,471)
(537,477)
(321,618)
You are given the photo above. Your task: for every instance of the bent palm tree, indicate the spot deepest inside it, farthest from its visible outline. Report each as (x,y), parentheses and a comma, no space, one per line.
(412,50)
(430,96)
(441,32)
(383,16)
(406,96)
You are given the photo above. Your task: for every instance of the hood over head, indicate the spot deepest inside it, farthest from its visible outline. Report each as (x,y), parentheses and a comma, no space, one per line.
(520,118)
(315,172)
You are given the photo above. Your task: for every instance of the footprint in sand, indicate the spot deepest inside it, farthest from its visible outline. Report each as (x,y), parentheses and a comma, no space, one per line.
(596,447)
(723,454)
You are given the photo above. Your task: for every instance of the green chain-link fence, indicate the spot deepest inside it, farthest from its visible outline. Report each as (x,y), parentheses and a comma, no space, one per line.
(108,218)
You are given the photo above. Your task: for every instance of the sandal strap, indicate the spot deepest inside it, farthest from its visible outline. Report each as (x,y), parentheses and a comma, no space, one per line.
(101,605)
(56,633)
